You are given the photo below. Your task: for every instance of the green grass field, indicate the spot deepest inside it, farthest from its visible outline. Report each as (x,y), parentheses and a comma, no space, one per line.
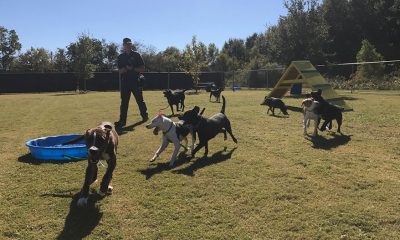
(276,184)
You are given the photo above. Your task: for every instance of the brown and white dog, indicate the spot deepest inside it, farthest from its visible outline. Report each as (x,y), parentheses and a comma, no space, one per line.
(101,142)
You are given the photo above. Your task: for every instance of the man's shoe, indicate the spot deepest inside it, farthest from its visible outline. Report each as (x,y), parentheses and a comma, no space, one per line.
(119,124)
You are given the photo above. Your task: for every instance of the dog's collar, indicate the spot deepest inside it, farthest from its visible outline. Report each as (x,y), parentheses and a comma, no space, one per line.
(169,129)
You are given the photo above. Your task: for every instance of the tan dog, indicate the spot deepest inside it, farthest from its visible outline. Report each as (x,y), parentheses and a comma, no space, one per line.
(101,142)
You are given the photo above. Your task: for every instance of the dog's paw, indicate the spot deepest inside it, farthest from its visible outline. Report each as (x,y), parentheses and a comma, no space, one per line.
(109,191)
(156,130)
(82,201)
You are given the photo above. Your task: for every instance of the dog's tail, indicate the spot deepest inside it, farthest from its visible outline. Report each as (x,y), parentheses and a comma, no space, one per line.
(223,105)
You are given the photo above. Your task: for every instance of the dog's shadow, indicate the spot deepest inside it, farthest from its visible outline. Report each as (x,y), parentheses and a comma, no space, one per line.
(279,116)
(205,161)
(174,115)
(80,221)
(28,158)
(129,128)
(295,109)
(164,166)
(320,142)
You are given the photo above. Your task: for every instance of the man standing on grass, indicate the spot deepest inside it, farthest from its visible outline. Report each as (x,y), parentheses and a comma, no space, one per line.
(130,65)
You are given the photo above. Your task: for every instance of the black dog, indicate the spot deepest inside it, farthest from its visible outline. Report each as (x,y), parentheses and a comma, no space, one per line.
(327,111)
(216,93)
(273,103)
(207,128)
(175,98)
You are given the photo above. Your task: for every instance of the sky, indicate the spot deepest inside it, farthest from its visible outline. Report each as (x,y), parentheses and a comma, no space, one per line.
(54,24)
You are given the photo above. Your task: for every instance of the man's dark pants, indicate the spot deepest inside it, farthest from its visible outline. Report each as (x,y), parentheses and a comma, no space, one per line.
(126,96)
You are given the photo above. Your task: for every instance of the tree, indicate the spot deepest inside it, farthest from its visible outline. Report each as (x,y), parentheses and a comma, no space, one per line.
(368,53)
(235,48)
(212,54)
(302,34)
(35,60)
(9,45)
(171,57)
(60,61)
(111,55)
(86,56)
(340,47)
(194,59)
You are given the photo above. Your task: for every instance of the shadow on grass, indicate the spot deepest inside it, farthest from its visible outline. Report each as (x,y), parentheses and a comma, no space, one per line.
(28,158)
(350,98)
(174,115)
(81,221)
(64,94)
(295,109)
(321,142)
(164,166)
(67,194)
(129,128)
(205,161)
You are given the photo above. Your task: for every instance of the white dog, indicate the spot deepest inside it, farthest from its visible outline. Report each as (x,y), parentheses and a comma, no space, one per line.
(309,106)
(172,132)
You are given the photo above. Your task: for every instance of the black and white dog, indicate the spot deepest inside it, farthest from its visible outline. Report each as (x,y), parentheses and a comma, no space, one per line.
(327,111)
(173,132)
(175,98)
(273,103)
(207,128)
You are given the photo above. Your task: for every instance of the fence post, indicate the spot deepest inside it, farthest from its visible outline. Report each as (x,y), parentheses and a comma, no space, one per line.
(233,81)
(168,79)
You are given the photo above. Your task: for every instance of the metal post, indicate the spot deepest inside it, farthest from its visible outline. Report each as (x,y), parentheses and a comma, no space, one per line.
(233,81)
(168,79)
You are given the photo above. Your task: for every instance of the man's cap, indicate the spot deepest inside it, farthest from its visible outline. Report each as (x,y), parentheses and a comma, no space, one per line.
(126,40)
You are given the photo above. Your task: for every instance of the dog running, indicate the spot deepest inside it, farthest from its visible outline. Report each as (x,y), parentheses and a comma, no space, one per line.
(172,132)
(327,111)
(175,98)
(207,128)
(273,103)
(101,142)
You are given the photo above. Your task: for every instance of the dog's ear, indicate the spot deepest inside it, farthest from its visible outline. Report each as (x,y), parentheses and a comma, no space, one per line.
(87,133)
(160,114)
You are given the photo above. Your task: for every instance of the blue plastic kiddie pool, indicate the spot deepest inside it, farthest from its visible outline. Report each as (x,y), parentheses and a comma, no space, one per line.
(50,148)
